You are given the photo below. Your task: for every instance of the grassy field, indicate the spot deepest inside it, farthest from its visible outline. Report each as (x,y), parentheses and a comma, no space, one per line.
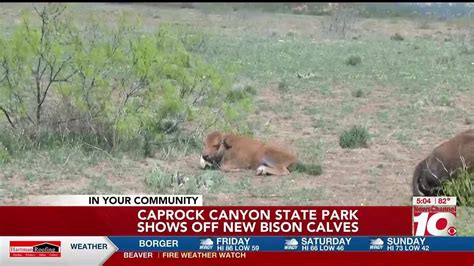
(408,82)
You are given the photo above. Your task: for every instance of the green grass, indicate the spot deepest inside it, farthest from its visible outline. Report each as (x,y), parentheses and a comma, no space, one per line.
(311,152)
(267,59)
(303,195)
(159,180)
(310,169)
(99,185)
(465,221)
(325,124)
(382,116)
(54,163)
(460,186)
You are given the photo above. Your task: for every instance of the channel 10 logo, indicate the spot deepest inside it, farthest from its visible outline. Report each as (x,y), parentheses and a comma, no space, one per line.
(434,220)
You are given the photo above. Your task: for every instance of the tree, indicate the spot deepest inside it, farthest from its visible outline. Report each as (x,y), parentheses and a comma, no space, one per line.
(114,83)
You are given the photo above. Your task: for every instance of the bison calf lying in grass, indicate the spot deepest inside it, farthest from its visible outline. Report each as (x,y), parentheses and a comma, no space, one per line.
(230,152)
(443,163)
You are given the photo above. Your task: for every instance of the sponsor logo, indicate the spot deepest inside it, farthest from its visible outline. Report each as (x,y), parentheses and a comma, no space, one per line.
(35,249)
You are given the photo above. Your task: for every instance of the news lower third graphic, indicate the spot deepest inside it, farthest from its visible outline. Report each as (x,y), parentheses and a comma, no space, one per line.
(432,224)
(96,250)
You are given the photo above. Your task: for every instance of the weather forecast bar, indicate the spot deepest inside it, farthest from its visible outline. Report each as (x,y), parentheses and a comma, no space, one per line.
(294,244)
(52,250)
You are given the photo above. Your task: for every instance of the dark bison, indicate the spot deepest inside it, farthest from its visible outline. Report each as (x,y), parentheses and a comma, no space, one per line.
(445,159)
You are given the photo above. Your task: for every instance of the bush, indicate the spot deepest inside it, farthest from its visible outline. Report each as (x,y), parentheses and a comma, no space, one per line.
(461,186)
(356,137)
(207,181)
(4,154)
(354,60)
(250,90)
(397,37)
(446,60)
(239,93)
(283,86)
(160,181)
(116,84)
(358,93)
(311,169)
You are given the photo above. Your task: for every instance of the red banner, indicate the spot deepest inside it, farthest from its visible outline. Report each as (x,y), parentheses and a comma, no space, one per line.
(209,221)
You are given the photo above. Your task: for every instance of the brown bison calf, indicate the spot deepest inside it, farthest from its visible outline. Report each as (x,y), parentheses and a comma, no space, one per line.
(231,152)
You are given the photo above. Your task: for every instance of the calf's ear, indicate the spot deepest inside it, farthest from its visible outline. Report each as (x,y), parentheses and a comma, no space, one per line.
(226,142)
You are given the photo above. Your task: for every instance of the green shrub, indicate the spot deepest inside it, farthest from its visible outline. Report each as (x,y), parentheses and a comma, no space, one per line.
(160,181)
(354,60)
(310,169)
(356,137)
(445,60)
(283,86)
(461,186)
(250,90)
(358,93)
(397,37)
(4,154)
(442,100)
(238,94)
(207,181)
(114,83)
